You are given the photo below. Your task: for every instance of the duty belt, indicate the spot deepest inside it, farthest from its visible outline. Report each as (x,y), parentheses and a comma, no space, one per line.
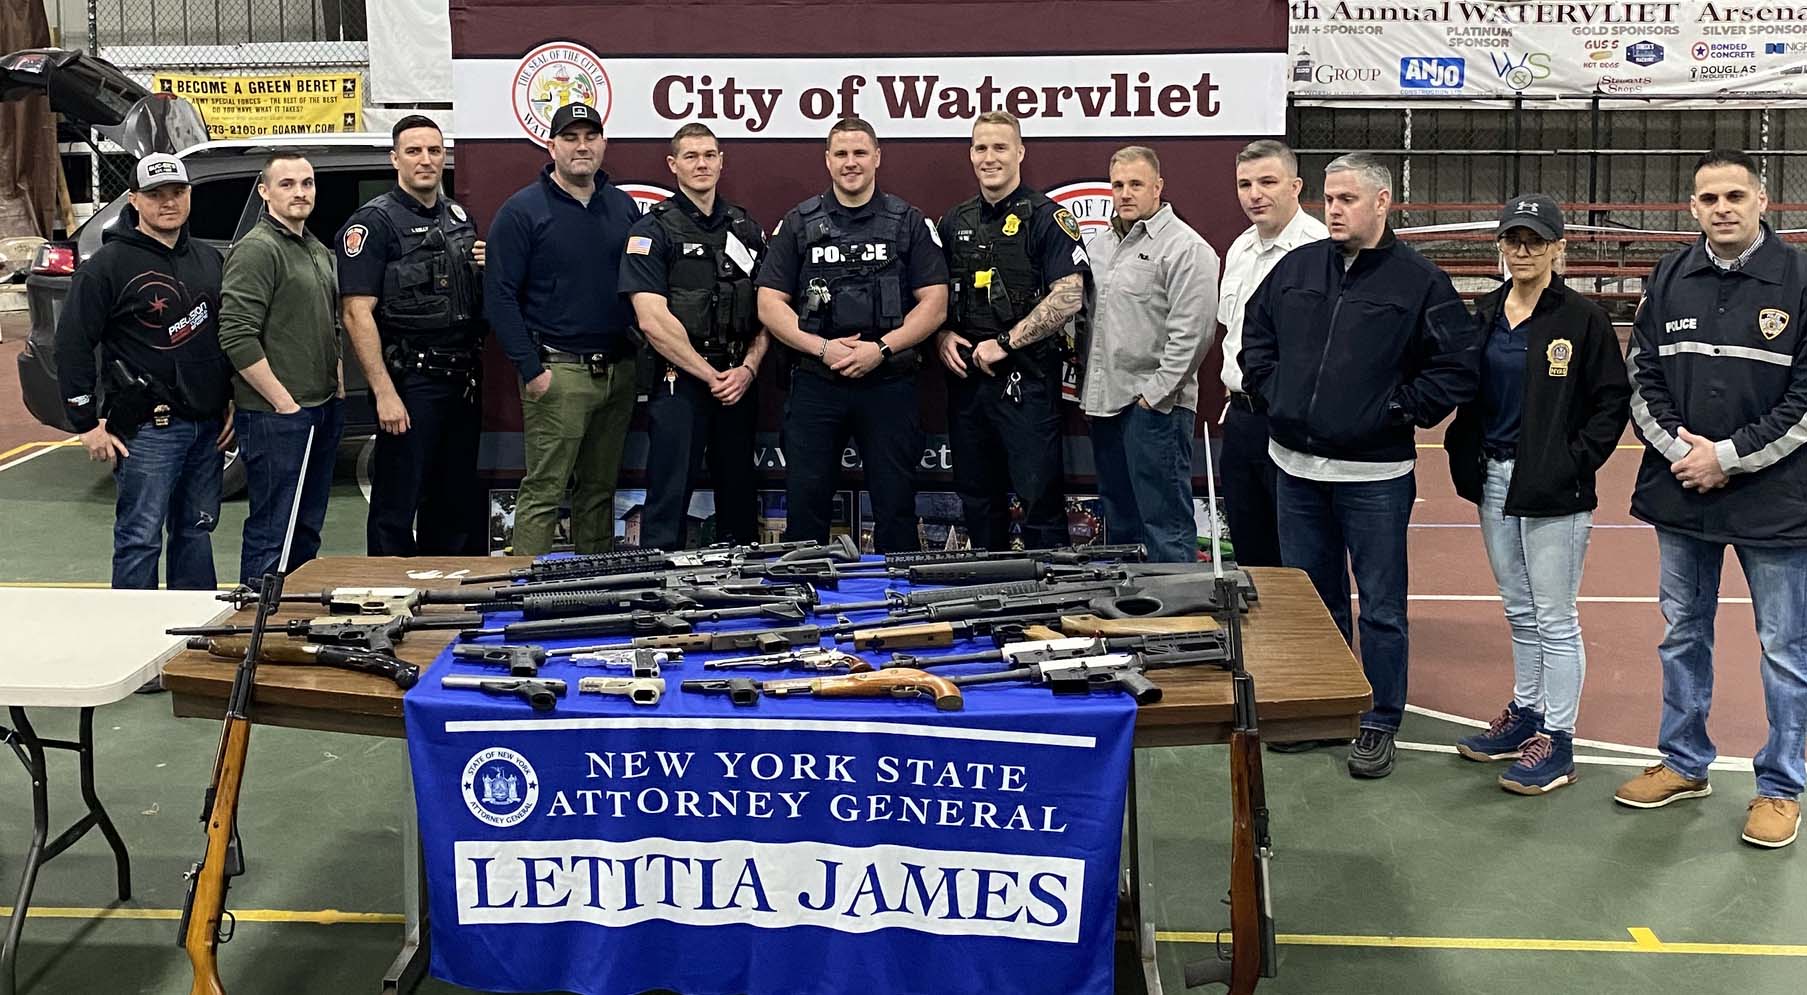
(1243,401)
(451,362)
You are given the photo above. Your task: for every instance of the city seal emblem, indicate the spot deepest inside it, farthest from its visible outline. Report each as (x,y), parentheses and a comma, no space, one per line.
(554,75)
(500,787)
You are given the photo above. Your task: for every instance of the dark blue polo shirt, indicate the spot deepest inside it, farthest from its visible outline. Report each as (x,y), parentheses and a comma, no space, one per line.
(552,270)
(1503,388)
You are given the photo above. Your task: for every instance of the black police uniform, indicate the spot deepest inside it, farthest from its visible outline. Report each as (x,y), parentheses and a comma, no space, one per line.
(417,262)
(1001,259)
(848,271)
(685,256)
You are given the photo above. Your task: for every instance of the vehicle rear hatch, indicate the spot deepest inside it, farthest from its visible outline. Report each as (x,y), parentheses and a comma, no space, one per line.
(94,92)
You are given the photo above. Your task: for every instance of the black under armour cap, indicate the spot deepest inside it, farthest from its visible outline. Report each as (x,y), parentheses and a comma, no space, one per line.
(574,114)
(1538,212)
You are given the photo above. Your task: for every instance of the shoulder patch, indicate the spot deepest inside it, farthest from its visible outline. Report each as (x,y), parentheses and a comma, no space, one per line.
(1069,224)
(933,234)
(353,242)
(639,245)
(457,212)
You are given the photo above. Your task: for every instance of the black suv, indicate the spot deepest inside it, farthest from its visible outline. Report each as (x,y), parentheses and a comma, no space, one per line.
(348,171)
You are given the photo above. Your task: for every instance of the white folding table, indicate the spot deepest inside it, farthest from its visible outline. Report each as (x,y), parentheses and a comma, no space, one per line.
(79,648)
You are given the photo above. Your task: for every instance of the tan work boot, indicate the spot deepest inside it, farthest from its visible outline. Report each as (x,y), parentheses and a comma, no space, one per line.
(1658,786)
(1773,822)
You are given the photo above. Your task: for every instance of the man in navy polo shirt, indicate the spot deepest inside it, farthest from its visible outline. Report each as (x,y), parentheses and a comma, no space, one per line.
(550,293)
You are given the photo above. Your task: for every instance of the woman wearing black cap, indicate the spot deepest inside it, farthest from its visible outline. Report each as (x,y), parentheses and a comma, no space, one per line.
(1553,402)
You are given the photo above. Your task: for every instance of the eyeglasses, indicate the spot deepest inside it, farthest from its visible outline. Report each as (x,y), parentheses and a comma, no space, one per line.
(1525,246)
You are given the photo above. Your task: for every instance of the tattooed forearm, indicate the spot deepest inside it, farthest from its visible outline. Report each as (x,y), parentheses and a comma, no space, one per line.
(1064,299)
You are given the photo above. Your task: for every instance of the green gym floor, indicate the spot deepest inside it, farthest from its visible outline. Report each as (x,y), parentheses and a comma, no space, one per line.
(1431,881)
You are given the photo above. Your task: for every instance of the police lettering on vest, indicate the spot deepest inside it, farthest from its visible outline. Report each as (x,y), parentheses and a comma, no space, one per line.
(710,293)
(852,281)
(432,293)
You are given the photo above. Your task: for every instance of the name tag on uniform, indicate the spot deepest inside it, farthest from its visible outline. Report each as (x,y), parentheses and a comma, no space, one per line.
(693,249)
(739,253)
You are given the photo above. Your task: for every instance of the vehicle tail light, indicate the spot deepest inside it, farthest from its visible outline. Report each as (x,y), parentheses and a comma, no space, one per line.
(54,260)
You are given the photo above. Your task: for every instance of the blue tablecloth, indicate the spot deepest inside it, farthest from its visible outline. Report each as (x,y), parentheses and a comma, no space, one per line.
(803,847)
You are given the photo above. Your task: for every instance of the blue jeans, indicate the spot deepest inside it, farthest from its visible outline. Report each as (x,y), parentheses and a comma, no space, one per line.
(1689,593)
(170,481)
(1327,529)
(271,446)
(1537,565)
(1144,465)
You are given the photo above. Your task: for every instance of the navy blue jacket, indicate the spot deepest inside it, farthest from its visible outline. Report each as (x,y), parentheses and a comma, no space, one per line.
(1724,354)
(1348,360)
(552,269)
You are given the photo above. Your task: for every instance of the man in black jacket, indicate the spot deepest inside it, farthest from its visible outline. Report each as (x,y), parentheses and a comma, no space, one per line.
(1349,343)
(149,299)
(1719,376)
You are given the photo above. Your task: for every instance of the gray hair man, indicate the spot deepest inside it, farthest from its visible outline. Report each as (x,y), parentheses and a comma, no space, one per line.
(1350,344)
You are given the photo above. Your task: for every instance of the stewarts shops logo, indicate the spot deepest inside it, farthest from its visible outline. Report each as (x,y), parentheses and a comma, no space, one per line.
(645,194)
(554,75)
(500,787)
(1089,201)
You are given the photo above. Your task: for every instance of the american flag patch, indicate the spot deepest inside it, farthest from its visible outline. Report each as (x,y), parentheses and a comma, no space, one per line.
(639,245)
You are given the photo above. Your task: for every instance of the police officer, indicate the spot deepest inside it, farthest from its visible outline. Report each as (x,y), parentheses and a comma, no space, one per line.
(689,274)
(1018,271)
(410,299)
(833,289)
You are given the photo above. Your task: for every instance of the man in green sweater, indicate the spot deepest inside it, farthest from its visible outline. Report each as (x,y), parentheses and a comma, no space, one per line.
(278,301)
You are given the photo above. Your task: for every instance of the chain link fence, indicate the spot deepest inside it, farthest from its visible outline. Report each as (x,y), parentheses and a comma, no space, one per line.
(145,37)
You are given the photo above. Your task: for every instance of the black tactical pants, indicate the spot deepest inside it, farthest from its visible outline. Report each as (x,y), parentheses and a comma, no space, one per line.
(686,425)
(881,415)
(424,495)
(1006,437)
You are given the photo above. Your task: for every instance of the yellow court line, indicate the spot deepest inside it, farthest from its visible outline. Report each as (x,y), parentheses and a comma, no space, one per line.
(323,917)
(1643,942)
(16,450)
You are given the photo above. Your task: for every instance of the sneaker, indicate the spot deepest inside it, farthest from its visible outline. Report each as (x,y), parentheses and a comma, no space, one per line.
(1305,745)
(1772,822)
(1505,739)
(1548,763)
(1658,786)
(1373,754)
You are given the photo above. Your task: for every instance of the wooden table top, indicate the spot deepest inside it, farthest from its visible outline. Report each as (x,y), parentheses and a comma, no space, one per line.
(1307,683)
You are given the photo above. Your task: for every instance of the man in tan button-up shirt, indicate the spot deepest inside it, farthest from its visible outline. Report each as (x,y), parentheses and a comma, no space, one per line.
(1152,322)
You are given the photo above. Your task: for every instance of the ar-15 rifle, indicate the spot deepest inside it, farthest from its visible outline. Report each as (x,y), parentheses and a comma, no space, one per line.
(405,675)
(204,907)
(1100,580)
(829,575)
(646,560)
(1112,671)
(1065,555)
(377,633)
(761,640)
(360,600)
(1034,651)
(654,623)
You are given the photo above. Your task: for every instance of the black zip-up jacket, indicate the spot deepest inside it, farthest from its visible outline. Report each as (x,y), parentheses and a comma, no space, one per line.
(1576,403)
(1348,360)
(1724,354)
(152,307)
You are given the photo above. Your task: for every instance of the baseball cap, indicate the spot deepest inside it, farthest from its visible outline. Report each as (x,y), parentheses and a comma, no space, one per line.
(574,113)
(158,170)
(1538,212)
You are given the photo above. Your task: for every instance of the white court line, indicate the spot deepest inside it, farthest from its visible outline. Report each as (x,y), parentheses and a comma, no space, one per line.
(1476,525)
(1592,744)
(28,457)
(1724,763)
(1586,599)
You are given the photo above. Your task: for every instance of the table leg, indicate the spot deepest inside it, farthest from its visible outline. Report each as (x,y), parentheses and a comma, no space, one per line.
(410,964)
(25,744)
(122,862)
(1141,860)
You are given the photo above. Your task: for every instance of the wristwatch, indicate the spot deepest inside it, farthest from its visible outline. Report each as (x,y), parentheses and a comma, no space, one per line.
(1003,341)
(884,349)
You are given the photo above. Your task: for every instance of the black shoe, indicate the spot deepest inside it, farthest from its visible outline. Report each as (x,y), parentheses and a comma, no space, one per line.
(1306,745)
(1372,755)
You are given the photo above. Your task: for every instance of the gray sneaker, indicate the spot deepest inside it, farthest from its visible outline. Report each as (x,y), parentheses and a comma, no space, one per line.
(1372,755)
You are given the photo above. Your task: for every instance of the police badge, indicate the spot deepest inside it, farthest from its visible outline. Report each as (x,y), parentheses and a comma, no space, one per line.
(1772,322)
(1012,225)
(1559,353)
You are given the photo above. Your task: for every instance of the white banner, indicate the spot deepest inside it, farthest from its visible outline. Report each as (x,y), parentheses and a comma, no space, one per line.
(1486,48)
(1129,96)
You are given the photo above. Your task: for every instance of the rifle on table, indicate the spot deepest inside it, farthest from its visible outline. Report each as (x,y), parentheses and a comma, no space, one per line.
(646,560)
(204,906)
(760,640)
(405,675)
(1126,672)
(728,581)
(361,600)
(828,574)
(895,682)
(1092,580)
(652,623)
(1064,555)
(1033,651)
(376,633)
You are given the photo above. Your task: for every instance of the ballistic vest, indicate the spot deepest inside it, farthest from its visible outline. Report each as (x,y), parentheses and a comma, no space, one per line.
(706,290)
(432,292)
(861,268)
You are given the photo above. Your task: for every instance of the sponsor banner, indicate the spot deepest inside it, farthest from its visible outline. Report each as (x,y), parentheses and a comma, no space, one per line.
(250,106)
(1056,96)
(917,850)
(1482,48)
